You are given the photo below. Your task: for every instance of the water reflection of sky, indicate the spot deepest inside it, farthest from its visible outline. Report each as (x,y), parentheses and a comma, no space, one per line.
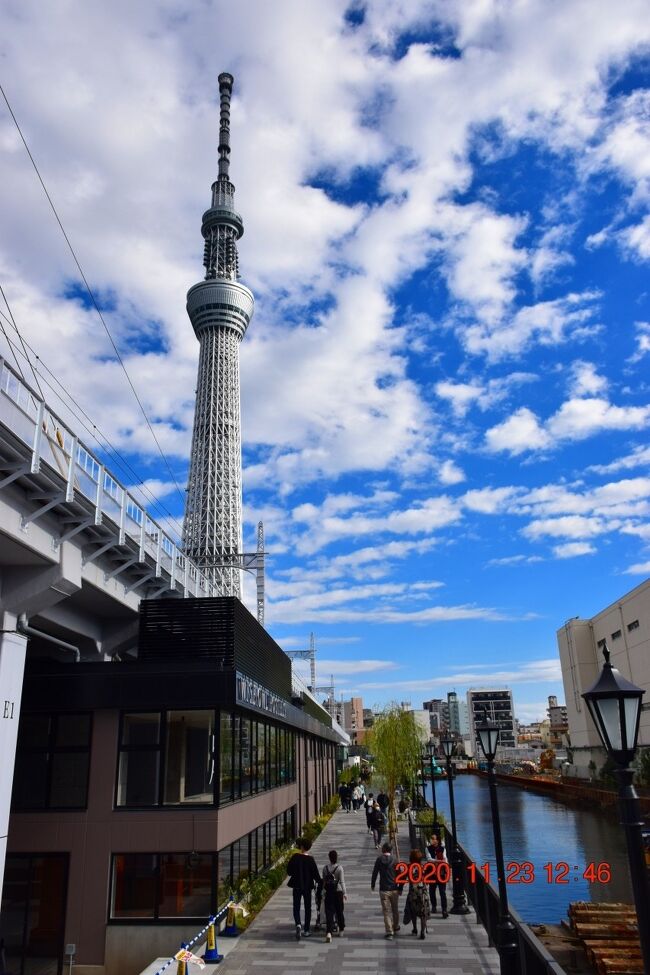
(537,829)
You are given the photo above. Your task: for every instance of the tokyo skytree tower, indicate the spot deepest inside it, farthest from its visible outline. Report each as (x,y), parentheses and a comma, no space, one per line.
(220,309)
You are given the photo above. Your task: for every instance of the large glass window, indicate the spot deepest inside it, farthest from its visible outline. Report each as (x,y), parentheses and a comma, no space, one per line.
(189,764)
(185,885)
(246,778)
(262,756)
(32,917)
(225,757)
(52,761)
(134,888)
(172,758)
(139,765)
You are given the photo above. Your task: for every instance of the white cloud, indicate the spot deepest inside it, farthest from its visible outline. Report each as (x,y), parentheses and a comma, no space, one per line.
(639,569)
(536,671)
(642,341)
(516,560)
(585,381)
(488,500)
(640,457)
(576,419)
(546,323)
(580,418)
(520,432)
(571,549)
(450,473)
(568,526)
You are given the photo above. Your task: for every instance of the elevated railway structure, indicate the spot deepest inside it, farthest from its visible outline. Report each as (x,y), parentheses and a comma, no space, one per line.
(77,554)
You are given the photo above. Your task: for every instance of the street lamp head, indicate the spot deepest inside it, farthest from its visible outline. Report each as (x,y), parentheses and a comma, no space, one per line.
(615,707)
(488,735)
(448,747)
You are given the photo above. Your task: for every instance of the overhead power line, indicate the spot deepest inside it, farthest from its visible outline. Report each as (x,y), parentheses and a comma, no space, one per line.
(93,299)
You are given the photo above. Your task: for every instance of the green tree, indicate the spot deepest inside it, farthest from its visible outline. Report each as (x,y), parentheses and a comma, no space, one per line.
(396,743)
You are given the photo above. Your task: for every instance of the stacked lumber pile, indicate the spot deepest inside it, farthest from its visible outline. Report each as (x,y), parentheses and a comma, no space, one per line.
(609,936)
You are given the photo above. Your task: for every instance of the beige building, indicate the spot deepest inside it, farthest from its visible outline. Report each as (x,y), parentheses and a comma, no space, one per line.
(625,625)
(353,719)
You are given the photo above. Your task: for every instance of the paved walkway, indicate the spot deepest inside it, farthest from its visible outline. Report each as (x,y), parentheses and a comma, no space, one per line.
(456,945)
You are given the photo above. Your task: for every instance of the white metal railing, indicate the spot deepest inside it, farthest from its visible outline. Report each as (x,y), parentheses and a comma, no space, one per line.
(52,443)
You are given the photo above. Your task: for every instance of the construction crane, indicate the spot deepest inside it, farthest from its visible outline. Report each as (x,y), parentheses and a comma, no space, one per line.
(309,655)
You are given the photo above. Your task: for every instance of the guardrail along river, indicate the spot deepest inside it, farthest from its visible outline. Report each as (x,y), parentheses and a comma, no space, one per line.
(538,830)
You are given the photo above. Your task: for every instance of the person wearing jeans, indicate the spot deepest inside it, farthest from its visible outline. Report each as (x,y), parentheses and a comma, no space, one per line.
(389,889)
(303,877)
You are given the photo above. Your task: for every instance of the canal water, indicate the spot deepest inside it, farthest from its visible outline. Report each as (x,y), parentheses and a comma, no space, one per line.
(537,830)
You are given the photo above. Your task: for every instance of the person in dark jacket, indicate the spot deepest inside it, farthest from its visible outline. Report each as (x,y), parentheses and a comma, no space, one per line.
(303,877)
(417,900)
(389,889)
(369,804)
(378,823)
(382,799)
(335,894)
(436,851)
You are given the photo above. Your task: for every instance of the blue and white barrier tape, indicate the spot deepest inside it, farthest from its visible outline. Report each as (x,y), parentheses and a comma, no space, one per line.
(212,920)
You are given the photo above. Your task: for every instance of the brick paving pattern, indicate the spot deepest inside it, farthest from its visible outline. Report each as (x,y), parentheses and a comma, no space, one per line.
(456,945)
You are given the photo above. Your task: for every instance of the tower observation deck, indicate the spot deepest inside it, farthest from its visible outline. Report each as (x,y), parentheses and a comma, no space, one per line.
(220,308)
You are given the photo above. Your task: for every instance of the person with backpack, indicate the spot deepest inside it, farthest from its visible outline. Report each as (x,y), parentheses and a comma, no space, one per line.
(378,823)
(356,797)
(369,805)
(389,889)
(335,895)
(436,851)
(303,877)
(417,900)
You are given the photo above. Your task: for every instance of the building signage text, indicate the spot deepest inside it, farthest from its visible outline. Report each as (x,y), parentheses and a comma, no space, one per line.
(255,695)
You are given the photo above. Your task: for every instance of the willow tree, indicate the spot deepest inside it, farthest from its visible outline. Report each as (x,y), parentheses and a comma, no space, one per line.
(395,743)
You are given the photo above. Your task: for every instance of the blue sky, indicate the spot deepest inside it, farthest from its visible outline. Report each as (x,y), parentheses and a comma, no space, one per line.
(445,396)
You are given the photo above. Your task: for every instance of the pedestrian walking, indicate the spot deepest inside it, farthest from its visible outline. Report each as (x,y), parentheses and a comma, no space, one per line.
(378,823)
(303,877)
(369,806)
(437,852)
(347,797)
(356,797)
(382,799)
(389,889)
(417,900)
(334,894)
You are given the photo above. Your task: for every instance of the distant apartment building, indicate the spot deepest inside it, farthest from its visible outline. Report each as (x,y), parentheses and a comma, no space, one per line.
(458,716)
(422,722)
(352,719)
(439,714)
(558,721)
(497,704)
(625,626)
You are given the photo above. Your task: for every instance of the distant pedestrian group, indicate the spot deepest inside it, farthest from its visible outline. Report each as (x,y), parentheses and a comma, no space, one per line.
(420,902)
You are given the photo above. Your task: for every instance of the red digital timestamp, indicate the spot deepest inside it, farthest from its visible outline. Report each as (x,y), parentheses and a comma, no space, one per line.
(439,872)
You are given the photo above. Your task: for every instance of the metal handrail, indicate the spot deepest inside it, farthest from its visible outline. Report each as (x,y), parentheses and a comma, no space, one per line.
(52,442)
(534,959)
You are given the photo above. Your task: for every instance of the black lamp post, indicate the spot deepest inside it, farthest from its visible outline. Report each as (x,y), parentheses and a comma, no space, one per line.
(507,939)
(458,885)
(423,779)
(615,706)
(431,749)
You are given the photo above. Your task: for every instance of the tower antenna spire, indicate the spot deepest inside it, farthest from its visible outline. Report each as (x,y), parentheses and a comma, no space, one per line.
(220,309)
(225,93)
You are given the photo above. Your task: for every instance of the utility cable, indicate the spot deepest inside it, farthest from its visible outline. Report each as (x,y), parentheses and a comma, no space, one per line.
(12,321)
(98,436)
(92,298)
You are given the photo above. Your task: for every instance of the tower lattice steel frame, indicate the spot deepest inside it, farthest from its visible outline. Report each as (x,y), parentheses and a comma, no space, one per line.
(220,309)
